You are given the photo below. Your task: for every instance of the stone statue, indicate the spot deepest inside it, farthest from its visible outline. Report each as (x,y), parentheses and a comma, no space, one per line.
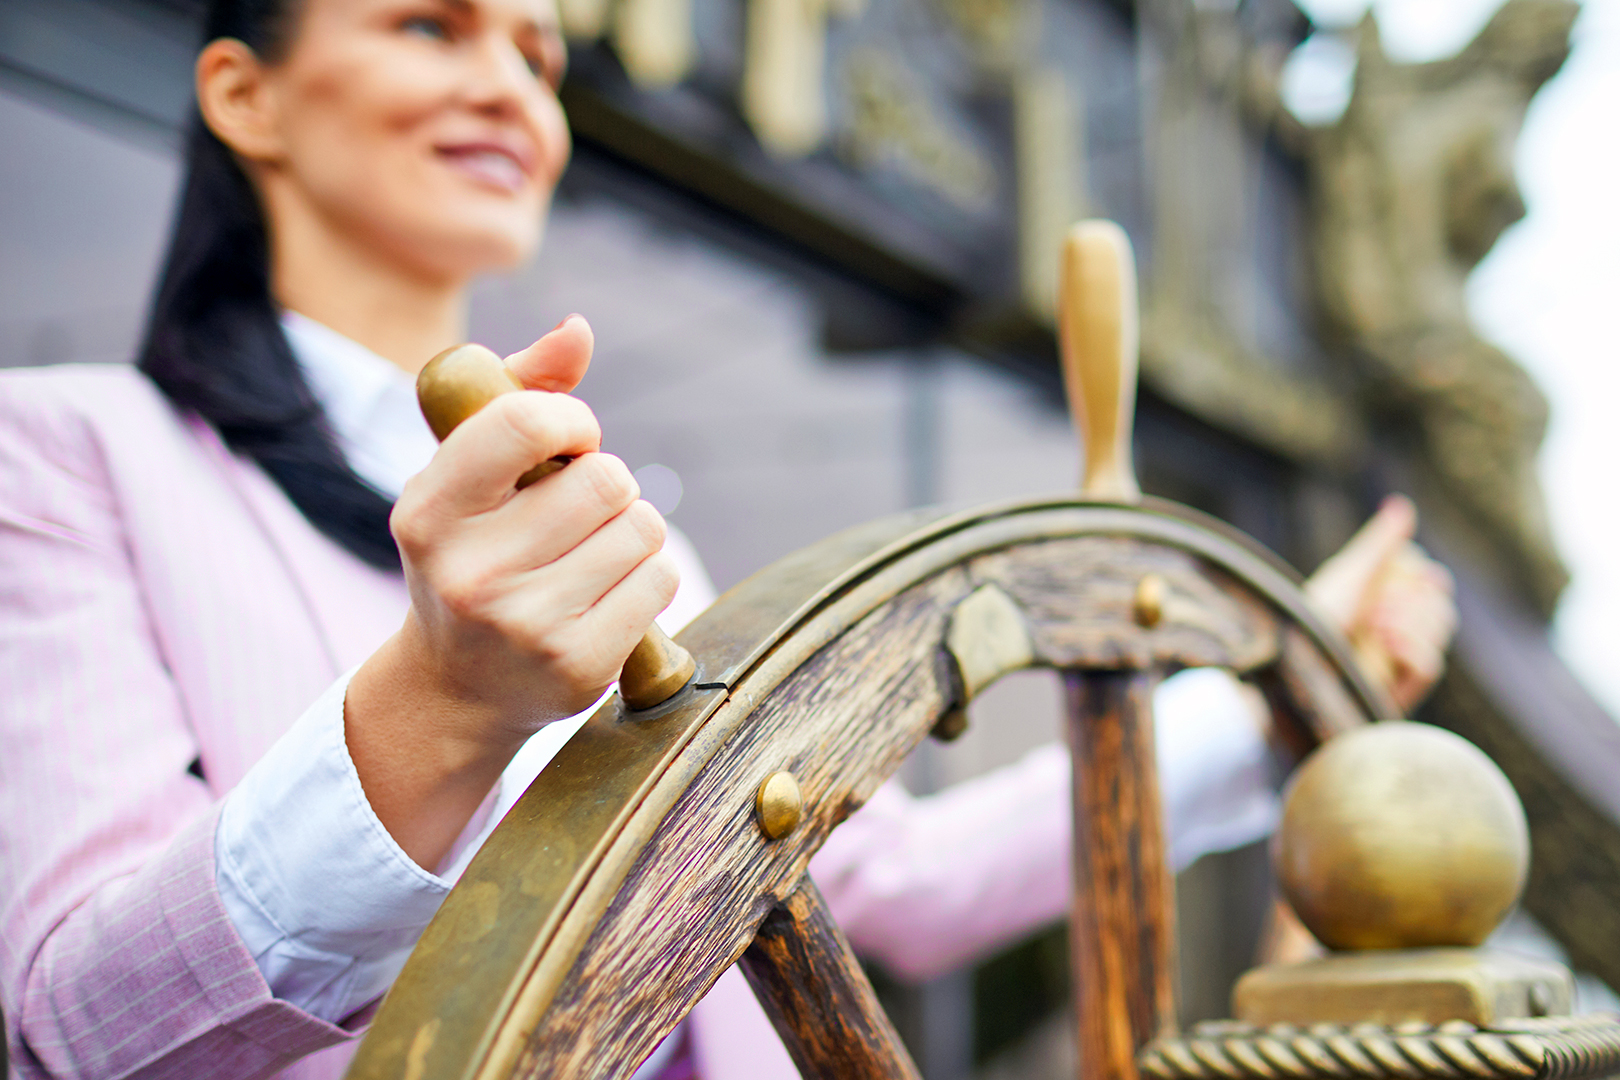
(1408,191)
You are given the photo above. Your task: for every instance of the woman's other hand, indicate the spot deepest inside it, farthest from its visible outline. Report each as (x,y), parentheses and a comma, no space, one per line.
(524,604)
(1392,601)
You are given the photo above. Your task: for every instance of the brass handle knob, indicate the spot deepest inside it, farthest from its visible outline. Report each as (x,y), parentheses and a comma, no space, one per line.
(460,381)
(1097,329)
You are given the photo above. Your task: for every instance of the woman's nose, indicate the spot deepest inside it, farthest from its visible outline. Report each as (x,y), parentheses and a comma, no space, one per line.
(500,80)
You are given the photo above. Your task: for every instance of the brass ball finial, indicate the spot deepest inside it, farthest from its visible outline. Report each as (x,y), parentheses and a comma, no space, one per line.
(1401,835)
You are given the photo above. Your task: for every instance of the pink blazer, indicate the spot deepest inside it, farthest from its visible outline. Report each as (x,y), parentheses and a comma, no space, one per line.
(163,603)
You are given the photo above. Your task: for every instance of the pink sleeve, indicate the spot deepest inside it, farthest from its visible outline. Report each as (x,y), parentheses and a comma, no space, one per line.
(926,885)
(116,955)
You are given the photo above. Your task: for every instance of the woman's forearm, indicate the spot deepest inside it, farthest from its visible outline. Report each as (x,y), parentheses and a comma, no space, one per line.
(422,776)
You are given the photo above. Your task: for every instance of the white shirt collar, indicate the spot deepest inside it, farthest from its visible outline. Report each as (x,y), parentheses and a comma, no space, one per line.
(370,403)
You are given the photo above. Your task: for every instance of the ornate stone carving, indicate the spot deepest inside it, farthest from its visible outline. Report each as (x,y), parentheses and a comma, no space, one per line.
(1410,189)
(654,40)
(1407,192)
(893,123)
(1198,347)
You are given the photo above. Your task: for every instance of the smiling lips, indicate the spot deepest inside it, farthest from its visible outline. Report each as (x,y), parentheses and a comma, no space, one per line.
(491,164)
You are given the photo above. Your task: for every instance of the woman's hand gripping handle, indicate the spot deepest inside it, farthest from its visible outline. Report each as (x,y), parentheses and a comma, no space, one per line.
(529,589)
(456,384)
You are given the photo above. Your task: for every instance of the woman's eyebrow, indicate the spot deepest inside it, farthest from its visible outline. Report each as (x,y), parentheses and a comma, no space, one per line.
(545,23)
(541,26)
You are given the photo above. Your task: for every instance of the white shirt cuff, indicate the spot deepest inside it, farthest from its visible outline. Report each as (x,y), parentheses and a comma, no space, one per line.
(325,900)
(1217,776)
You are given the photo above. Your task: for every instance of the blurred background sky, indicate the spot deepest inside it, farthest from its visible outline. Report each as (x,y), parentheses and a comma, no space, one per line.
(1549,292)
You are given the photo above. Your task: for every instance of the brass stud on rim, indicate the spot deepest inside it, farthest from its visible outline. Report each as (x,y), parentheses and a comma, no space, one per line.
(779,804)
(1148,605)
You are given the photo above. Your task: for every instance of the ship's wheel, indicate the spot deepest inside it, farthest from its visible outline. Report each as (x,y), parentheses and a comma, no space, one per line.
(665,844)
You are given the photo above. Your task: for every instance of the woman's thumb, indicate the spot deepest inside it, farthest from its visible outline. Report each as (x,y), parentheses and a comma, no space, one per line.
(557,361)
(1341,584)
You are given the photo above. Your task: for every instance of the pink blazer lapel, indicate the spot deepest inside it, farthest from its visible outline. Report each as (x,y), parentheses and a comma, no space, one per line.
(353,606)
(252,609)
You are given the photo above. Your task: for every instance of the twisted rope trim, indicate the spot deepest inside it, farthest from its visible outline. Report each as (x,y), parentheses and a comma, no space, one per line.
(1548,1048)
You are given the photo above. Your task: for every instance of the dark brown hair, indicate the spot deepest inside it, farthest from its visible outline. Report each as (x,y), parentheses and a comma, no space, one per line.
(214,343)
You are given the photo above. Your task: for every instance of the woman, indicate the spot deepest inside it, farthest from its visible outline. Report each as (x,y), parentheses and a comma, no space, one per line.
(273,662)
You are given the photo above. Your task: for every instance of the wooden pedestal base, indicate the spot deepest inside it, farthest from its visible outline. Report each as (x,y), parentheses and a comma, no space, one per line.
(1430,986)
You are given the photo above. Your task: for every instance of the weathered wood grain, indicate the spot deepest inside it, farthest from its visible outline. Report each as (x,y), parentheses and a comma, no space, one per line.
(812,987)
(842,724)
(1122,930)
(696,894)
(1078,594)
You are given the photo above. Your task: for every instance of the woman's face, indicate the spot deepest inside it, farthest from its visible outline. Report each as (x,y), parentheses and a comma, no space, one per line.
(428,130)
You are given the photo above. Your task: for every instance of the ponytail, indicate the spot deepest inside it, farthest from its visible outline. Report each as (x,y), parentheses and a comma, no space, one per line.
(214,344)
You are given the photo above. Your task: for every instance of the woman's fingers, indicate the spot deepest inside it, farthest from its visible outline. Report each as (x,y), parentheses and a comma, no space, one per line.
(549,518)
(1411,618)
(557,361)
(1414,599)
(625,611)
(578,580)
(525,603)
(586,648)
(1341,585)
(1415,673)
(1392,600)
(480,462)
(1424,617)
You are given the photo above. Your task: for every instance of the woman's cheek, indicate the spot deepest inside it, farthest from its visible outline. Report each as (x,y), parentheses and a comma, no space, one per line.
(557,142)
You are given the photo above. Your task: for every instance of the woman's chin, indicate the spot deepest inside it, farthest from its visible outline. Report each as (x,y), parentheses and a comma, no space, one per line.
(482,244)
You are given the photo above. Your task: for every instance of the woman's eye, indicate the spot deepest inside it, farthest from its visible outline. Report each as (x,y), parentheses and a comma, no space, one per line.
(548,62)
(426,26)
(541,70)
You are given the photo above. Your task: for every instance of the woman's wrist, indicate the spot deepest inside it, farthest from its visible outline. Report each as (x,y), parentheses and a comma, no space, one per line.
(423,751)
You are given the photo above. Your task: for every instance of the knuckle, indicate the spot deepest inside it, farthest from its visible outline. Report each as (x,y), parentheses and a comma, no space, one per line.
(551,650)
(578,414)
(408,524)
(665,575)
(648,524)
(465,595)
(610,481)
(524,417)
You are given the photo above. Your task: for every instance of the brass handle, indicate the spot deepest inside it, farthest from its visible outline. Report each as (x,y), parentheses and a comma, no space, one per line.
(460,381)
(1097,330)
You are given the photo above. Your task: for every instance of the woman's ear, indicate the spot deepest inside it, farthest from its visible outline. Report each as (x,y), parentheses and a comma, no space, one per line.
(236,101)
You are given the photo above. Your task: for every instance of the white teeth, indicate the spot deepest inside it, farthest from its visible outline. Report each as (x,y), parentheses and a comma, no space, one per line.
(492,166)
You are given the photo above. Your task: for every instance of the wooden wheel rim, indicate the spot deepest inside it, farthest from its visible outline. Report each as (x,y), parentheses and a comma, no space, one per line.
(510,977)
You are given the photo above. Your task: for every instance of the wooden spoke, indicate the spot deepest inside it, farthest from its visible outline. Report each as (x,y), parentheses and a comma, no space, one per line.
(1123,925)
(812,987)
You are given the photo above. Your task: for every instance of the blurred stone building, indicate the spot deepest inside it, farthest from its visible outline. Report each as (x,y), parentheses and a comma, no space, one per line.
(817,240)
